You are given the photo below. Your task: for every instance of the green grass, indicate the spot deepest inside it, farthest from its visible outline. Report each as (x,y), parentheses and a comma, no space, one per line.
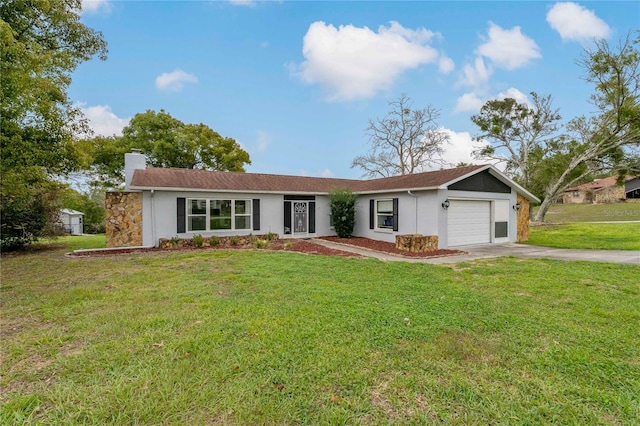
(562,213)
(223,337)
(601,236)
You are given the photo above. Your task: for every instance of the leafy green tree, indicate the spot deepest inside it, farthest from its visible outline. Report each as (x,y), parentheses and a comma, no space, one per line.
(166,142)
(516,134)
(41,44)
(343,211)
(604,140)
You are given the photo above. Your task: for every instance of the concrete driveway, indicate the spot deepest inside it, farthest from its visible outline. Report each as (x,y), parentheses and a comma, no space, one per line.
(499,250)
(527,251)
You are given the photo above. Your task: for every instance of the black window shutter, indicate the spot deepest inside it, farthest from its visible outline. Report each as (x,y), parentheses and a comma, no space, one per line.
(312,217)
(181,215)
(395,214)
(372,214)
(287,217)
(256,214)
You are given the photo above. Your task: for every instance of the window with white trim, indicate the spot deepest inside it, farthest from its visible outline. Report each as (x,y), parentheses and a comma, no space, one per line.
(218,214)
(384,214)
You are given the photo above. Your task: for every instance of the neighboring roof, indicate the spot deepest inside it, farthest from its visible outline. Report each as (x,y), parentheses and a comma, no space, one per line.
(71,212)
(598,184)
(203,180)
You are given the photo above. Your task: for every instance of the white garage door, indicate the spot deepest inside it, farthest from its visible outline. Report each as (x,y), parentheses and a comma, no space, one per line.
(469,222)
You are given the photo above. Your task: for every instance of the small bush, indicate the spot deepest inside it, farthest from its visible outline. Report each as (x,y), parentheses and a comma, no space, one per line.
(175,241)
(234,240)
(269,236)
(261,244)
(198,240)
(288,245)
(214,241)
(343,211)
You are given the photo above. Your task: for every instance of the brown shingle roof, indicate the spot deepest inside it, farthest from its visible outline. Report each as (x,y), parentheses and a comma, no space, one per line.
(598,184)
(187,179)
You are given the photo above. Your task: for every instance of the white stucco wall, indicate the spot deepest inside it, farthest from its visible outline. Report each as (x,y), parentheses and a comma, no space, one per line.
(432,218)
(472,195)
(164,216)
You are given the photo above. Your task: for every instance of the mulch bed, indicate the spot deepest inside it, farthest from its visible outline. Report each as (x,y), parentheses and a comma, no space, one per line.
(298,246)
(387,247)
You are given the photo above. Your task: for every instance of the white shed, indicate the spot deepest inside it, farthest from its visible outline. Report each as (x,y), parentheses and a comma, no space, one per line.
(72,221)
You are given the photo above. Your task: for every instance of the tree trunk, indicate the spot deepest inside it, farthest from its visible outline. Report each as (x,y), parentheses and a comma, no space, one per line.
(544,207)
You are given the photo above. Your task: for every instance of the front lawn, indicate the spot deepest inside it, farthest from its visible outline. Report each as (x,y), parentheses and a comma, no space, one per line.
(600,236)
(615,212)
(221,337)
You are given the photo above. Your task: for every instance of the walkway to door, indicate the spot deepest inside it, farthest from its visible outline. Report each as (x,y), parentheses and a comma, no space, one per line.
(499,250)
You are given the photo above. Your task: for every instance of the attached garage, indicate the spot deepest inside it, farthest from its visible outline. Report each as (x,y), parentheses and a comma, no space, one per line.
(469,222)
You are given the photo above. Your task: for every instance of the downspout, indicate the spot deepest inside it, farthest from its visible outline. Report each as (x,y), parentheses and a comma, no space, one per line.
(153,219)
(415,202)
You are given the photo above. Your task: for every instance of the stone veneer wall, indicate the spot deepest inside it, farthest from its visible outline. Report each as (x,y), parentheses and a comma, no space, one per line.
(123,219)
(523,219)
(417,243)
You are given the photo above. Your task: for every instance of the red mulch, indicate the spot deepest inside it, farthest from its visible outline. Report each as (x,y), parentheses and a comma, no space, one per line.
(299,246)
(386,247)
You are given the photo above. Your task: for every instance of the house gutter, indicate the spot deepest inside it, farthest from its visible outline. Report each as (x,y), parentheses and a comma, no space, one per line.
(415,202)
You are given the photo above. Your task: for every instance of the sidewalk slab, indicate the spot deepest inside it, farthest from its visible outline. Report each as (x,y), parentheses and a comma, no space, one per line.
(499,250)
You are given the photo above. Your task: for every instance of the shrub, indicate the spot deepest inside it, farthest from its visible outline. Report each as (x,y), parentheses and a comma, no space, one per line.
(234,240)
(269,236)
(343,211)
(198,240)
(175,241)
(288,245)
(214,241)
(261,244)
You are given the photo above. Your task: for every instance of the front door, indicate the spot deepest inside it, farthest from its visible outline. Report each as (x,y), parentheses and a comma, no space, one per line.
(300,217)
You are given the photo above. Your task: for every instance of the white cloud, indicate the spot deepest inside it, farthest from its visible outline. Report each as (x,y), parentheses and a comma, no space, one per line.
(446,65)
(174,81)
(459,148)
(248,3)
(473,102)
(575,22)
(469,102)
(103,121)
(264,140)
(352,62)
(326,173)
(476,75)
(514,93)
(96,6)
(509,49)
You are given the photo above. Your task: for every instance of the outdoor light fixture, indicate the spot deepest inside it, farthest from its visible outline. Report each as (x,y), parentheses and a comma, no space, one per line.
(516,207)
(445,204)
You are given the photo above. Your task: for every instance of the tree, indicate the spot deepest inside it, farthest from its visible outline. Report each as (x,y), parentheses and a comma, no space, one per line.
(41,44)
(516,134)
(166,142)
(404,141)
(604,140)
(343,211)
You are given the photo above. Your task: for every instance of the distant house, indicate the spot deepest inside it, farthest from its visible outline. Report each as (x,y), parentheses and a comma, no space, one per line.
(462,206)
(604,190)
(72,221)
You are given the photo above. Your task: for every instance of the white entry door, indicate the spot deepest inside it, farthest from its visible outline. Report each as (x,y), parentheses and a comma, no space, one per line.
(469,222)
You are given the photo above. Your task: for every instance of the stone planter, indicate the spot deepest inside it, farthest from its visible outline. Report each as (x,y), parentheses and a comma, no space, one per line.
(417,243)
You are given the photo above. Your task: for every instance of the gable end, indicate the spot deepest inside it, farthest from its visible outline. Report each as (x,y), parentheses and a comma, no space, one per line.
(481,182)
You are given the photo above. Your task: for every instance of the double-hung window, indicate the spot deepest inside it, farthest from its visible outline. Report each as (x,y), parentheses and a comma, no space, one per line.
(384,214)
(219,214)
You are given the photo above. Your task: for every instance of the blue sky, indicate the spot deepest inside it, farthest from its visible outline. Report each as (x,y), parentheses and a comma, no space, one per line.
(295,83)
